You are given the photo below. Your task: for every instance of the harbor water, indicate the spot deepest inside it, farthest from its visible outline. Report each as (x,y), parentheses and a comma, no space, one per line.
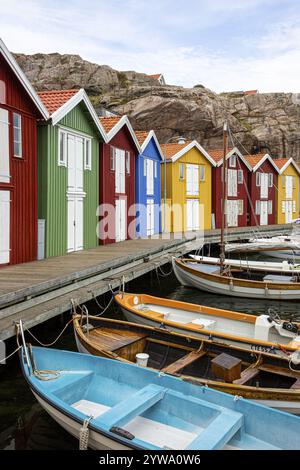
(24,425)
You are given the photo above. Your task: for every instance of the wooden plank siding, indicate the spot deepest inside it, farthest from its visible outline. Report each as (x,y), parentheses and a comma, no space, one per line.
(53,183)
(23,171)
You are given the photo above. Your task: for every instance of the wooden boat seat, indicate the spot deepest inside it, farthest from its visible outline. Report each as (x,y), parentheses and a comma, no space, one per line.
(183,362)
(279,371)
(132,406)
(111,339)
(219,432)
(247,375)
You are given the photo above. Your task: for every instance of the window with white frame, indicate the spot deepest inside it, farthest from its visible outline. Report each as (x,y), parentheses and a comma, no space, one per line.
(155,169)
(181,171)
(62,151)
(283,207)
(294,206)
(257,208)
(112,164)
(127,160)
(240,177)
(17,134)
(258,178)
(88,154)
(202,173)
(145,166)
(232,161)
(294,182)
(270,207)
(270,180)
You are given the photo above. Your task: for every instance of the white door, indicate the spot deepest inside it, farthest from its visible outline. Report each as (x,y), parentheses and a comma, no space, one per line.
(150,176)
(192,214)
(288,187)
(120,220)
(75,192)
(120,172)
(232,213)
(264,185)
(150,217)
(4,226)
(75,223)
(192,180)
(232,183)
(263,212)
(4,146)
(288,212)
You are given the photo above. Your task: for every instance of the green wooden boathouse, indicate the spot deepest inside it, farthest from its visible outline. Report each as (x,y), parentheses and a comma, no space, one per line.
(68,173)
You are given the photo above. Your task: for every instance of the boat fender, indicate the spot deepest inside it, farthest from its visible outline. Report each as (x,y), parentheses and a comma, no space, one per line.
(295,358)
(231,286)
(84,434)
(266,290)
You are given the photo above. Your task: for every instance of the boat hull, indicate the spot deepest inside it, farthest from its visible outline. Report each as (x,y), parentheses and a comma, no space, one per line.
(282,254)
(233,287)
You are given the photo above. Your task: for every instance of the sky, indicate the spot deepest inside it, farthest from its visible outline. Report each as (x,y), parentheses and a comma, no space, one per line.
(225,45)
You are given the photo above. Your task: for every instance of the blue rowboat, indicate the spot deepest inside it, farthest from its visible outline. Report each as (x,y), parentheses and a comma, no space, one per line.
(123,406)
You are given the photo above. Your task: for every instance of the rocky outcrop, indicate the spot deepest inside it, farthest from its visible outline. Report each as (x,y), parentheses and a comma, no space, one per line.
(268,122)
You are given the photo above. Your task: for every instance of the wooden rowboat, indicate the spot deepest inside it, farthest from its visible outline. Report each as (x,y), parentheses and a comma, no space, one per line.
(261,377)
(239,329)
(236,281)
(112,405)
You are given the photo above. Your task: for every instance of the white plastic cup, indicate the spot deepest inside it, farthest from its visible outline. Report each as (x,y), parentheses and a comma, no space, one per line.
(142,359)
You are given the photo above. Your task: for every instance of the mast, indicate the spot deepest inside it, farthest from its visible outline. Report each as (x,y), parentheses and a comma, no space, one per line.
(224,197)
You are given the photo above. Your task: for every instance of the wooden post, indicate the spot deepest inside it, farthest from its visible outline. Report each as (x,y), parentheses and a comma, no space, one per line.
(224,198)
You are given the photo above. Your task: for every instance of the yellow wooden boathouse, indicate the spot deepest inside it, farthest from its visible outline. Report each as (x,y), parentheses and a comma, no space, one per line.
(188,186)
(288,190)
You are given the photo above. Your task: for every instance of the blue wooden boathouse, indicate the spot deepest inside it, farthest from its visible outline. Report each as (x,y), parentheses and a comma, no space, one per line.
(148,190)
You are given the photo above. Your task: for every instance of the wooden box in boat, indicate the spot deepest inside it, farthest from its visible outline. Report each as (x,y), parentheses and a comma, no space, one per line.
(263,377)
(240,329)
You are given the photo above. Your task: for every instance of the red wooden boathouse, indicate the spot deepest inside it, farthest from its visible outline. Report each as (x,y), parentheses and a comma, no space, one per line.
(262,187)
(117,180)
(20,109)
(238,170)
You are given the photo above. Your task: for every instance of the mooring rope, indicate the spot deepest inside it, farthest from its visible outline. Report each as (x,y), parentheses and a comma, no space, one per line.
(53,342)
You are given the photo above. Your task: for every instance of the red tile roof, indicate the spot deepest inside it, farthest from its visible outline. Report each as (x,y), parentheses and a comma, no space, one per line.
(280,162)
(253,160)
(217,154)
(109,123)
(156,75)
(55,99)
(169,150)
(141,136)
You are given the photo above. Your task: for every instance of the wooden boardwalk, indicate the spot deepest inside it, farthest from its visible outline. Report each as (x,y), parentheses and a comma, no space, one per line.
(37,291)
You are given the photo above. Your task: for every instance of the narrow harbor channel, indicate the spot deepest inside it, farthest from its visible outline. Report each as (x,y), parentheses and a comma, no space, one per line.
(23,423)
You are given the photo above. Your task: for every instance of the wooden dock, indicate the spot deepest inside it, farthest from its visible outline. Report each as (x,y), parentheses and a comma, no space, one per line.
(40,290)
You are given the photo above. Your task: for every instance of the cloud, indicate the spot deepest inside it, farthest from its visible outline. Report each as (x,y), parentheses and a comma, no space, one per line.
(197,41)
